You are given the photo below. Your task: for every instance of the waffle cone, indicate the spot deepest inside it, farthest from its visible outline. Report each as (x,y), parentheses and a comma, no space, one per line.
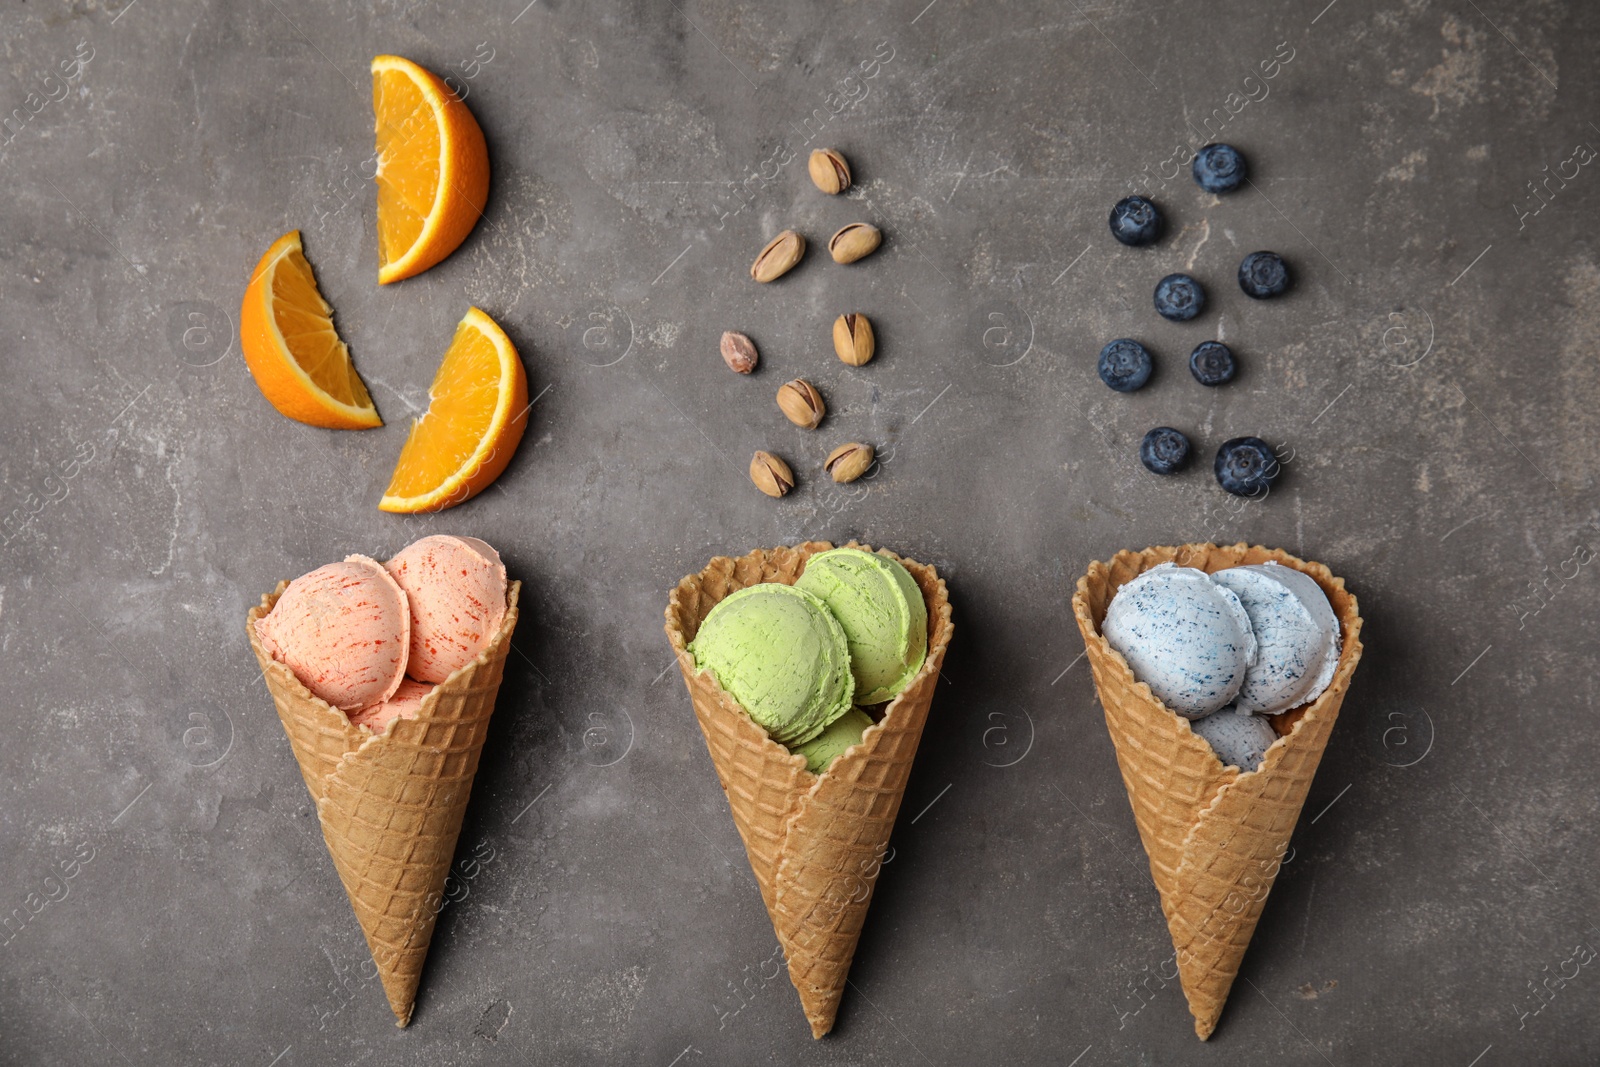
(815,842)
(1215,836)
(391,805)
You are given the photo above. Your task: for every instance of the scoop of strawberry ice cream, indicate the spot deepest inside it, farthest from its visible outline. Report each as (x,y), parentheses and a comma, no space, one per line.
(344,630)
(457,590)
(405,704)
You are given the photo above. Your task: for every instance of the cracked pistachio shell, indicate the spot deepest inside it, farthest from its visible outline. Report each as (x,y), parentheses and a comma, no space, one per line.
(849,462)
(854,241)
(779,257)
(829,171)
(853,340)
(801,404)
(771,474)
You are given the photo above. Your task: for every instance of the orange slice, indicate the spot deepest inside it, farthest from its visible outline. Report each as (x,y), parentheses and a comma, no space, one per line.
(433,168)
(477,410)
(287,335)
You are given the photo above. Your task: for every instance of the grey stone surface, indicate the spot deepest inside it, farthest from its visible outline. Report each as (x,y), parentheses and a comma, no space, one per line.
(1431,380)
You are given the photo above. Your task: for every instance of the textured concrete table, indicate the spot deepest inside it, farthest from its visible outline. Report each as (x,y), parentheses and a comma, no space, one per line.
(1431,383)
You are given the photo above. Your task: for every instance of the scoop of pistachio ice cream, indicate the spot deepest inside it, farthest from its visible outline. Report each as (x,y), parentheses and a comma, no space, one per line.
(884,617)
(782,655)
(830,744)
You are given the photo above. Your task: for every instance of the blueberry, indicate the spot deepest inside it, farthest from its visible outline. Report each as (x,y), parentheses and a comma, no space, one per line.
(1179,297)
(1211,363)
(1264,274)
(1246,466)
(1219,168)
(1163,450)
(1125,365)
(1136,221)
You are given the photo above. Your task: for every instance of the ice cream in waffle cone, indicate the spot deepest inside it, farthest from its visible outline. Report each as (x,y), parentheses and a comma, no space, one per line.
(815,842)
(391,802)
(1215,836)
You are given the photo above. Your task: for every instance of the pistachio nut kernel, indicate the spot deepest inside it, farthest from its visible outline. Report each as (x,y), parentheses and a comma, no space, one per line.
(739,352)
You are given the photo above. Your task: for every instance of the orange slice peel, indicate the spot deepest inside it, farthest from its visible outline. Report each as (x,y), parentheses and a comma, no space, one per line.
(433,168)
(477,412)
(290,344)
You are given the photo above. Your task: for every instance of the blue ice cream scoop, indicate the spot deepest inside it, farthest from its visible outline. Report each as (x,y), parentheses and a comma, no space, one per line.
(1238,738)
(1185,636)
(1296,630)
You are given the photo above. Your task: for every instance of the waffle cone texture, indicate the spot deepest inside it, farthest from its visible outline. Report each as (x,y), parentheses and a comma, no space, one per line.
(1215,836)
(391,804)
(815,842)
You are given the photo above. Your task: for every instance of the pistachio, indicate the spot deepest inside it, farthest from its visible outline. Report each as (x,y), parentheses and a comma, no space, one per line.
(739,352)
(853,242)
(853,339)
(779,257)
(849,462)
(801,404)
(829,171)
(771,474)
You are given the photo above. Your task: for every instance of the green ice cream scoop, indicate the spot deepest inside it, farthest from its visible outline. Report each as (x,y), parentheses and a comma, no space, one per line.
(782,655)
(830,744)
(884,617)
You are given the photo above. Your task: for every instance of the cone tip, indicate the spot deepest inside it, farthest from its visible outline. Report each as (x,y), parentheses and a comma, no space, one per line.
(820,1003)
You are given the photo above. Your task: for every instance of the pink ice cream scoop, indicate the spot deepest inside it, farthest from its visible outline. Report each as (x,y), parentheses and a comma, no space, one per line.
(457,590)
(344,630)
(405,704)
